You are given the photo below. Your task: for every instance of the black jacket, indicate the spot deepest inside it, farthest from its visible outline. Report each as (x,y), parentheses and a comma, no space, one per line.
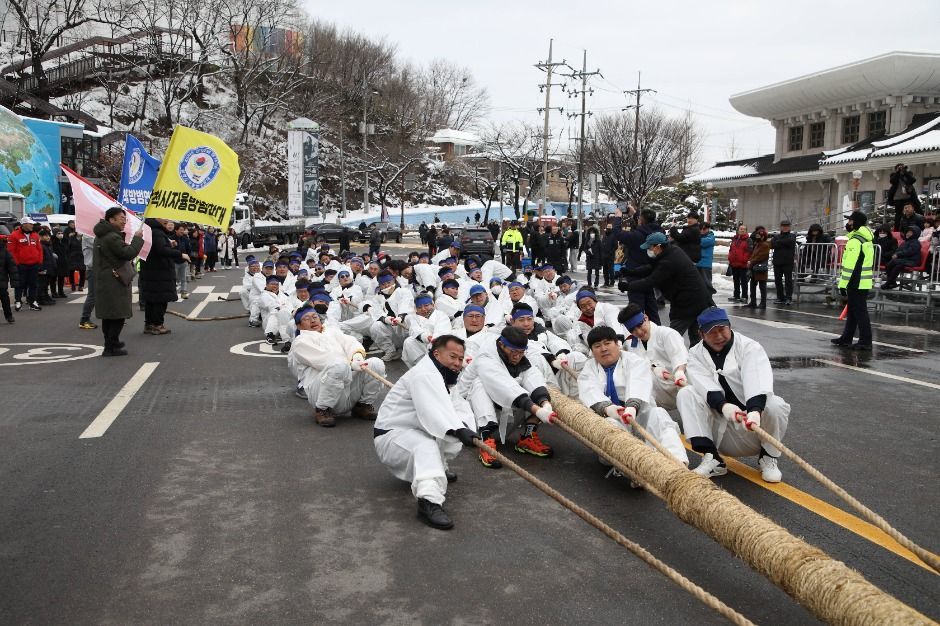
(574,239)
(673,273)
(608,246)
(591,249)
(784,247)
(9,274)
(634,256)
(49,264)
(689,240)
(158,273)
(556,252)
(908,179)
(183,245)
(916,220)
(76,258)
(61,249)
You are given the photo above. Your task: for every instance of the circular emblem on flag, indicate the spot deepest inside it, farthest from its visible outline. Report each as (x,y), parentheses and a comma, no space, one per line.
(135,168)
(199,167)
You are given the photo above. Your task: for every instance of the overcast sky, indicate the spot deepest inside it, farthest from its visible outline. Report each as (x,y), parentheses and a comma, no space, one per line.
(695,54)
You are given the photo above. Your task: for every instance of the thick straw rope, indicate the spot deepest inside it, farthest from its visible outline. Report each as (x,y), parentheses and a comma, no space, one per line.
(828,588)
(206,319)
(700,594)
(868,514)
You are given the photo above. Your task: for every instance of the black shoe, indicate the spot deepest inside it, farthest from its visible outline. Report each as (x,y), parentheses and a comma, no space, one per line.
(17,306)
(434,515)
(10,320)
(862,347)
(116,352)
(271,339)
(838,341)
(285,348)
(779,301)
(762,305)
(788,302)
(34,306)
(451,477)
(751,305)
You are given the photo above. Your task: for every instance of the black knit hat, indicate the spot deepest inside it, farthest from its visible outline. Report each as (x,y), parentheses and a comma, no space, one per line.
(858,219)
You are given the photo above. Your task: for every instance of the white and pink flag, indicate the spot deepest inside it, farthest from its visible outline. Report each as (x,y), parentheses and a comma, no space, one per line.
(90,206)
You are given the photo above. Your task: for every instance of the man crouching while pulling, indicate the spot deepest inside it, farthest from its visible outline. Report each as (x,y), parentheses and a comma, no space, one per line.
(732,390)
(330,368)
(421,426)
(619,386)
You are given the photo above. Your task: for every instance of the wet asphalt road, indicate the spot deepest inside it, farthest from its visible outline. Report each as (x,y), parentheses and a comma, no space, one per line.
(213,498)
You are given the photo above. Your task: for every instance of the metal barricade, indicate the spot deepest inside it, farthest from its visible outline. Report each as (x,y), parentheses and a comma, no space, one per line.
(817,263)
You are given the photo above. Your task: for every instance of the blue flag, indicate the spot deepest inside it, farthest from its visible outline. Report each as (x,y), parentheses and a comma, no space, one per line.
(138,176)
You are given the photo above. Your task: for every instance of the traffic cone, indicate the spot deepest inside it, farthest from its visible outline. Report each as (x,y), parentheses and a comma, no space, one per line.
(844,314)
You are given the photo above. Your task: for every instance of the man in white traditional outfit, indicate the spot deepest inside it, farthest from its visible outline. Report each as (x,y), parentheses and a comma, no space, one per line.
(392,305)
(447,302)
(274,306)
(548,352)
(329,366)
(248,296)
(501,383)
(732,390)
(619,386)
(421,426)
(423,327)
(593,314)
(662,347)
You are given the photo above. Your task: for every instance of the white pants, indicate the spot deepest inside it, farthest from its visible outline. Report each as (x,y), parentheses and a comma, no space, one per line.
(245,295)
(278,322)
(413,351)
(700,420)
(388,338)
(561,323)
(660,426)
(337,387)
(664,392)
(418,458)
(572,259)
(254,306)
(357,325)
(575,339)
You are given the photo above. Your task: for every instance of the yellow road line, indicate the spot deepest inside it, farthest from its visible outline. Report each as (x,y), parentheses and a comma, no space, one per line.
(825,510)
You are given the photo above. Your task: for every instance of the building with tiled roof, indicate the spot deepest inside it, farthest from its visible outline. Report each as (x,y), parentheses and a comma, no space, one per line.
(864,117)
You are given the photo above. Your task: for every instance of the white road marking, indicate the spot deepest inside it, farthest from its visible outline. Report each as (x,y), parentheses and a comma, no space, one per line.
(109,413)
(41,356)
(203,289)
(895,328)
(788,325)
(236,289)
(264,350)
(877,373)
(201,305)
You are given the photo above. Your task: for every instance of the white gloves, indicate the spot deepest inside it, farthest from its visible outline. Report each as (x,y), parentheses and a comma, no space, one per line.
(614,411)
(358,362)
(661,373)
(752,419)
(561,362)
(508,319)
(628,414)
(468,360)
(732,413)
(545,413)
(680,379)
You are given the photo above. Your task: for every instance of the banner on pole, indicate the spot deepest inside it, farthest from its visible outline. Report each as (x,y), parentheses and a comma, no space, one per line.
(138,175)
(303,165)
(197,182)
(90,206)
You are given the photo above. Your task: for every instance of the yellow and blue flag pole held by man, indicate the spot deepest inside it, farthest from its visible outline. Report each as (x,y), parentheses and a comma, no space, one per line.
(197,182)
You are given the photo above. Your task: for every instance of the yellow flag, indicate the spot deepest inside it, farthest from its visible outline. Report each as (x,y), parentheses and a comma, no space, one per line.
(197,182)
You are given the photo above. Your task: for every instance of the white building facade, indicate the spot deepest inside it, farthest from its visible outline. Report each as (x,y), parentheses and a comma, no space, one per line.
(864,117)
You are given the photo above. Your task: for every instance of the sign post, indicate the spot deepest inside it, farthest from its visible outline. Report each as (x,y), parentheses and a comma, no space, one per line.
(303,180)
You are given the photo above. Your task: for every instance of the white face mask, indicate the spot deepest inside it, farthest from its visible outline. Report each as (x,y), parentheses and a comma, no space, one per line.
(496,289)
(651,254)
(388,290)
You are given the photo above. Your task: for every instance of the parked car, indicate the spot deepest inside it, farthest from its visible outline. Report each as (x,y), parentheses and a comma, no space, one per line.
(390,232)
(330,232)
(475,241)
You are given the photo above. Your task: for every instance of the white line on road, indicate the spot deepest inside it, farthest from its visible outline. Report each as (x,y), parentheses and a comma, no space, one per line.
(788,325)
(876,373)
(109,413)
(203,289)
(199,307)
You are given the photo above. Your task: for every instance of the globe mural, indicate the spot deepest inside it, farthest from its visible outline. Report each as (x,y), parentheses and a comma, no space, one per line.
(25,165)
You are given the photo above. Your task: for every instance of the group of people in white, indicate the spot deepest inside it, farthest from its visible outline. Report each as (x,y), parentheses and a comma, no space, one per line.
(483,345)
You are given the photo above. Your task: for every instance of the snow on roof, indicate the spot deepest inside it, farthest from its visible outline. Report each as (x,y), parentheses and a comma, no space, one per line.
(891,141)
(456,137)
(723,172)
(847,157)
(829,153)
(927,141)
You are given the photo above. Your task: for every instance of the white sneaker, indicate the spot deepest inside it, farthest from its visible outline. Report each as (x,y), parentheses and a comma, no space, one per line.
(710,467)
(388,357)
(769,470)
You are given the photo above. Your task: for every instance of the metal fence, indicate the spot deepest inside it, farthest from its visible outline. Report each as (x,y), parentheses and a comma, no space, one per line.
(820,265)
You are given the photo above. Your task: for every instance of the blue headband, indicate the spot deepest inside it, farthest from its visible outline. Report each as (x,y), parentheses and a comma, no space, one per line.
(321,297)
(273,279)
(522,312)
(509,345)
(584,293)
(473,308)
(516,283)
(299,314)
(343,273)
(634,321)
(422,300)
(385,278)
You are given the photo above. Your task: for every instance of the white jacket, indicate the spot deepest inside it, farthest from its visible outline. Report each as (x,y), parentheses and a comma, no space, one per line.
(420,401)
(318,349)
(435,325)
(500,386)
(746,370)
(632,379)
(665,348)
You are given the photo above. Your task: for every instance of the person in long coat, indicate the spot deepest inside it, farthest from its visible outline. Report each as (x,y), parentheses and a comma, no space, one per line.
(757,265)
(593,255)
(158,277)
(112,297)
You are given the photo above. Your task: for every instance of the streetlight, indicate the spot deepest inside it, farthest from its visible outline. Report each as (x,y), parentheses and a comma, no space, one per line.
(408,185)
(708,200)
(856,180)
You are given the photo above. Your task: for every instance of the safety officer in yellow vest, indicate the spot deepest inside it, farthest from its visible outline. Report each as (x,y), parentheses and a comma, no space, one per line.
(511,245)
(856,281)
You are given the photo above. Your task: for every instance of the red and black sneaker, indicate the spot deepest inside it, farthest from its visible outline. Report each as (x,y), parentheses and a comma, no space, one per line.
(487,459)
(533,445)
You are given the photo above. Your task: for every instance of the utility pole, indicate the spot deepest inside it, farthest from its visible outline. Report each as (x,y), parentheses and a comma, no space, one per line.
(364,129)
(638,92)
(584,91)
(548,66)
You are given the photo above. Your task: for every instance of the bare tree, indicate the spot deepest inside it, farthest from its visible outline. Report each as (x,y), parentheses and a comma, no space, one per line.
(483,177)
(664,147)
(385,169)
(450,97)
(518,147)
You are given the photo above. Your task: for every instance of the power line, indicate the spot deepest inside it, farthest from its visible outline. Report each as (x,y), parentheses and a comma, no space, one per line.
(638,92)
(583,92)
(548,66)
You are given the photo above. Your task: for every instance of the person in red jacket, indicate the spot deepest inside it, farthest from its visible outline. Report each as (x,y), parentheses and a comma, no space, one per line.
(26,249)
(738,255)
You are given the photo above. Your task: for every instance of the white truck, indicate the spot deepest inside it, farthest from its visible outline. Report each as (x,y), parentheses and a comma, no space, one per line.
(253,232)
(11,210)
